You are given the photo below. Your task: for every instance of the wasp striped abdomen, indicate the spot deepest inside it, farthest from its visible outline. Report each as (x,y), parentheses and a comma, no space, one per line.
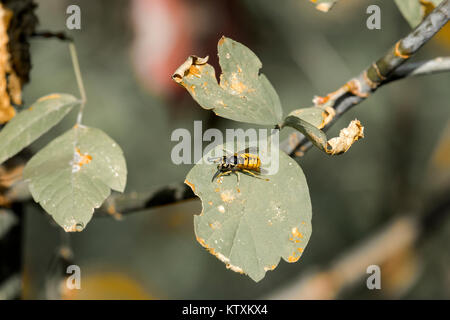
(249,161)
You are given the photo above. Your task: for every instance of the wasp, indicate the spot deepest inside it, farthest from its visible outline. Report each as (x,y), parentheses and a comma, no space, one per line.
(244,161)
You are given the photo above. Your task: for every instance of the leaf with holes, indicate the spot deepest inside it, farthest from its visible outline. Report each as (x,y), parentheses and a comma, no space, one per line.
(251,225)
(74,173)
(30,124)
(243,94)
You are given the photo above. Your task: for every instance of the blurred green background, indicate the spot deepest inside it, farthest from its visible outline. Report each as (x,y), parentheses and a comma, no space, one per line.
(127,57)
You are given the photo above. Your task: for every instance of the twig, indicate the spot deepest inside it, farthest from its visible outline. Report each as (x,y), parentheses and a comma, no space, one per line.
(120,204)
(76,69)
(420,68)
(378,73)
(61,35)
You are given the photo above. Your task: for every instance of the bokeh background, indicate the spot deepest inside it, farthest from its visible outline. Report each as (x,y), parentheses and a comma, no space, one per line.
(128,51)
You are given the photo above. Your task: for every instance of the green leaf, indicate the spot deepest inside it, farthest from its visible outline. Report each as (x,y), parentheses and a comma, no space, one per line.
(243,94)
(251,225)
(324,5)
(74,173)
(411,11)
(414,10)
(314,115)
(295,120)
(30,124)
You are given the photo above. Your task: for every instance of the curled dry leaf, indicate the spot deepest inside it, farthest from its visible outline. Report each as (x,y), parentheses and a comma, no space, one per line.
(347,137)
(190,66)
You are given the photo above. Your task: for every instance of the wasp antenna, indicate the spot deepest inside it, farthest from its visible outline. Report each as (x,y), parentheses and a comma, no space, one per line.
(225,151)
(215,159)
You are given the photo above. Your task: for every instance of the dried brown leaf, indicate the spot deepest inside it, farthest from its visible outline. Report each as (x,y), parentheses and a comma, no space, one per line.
(347,137)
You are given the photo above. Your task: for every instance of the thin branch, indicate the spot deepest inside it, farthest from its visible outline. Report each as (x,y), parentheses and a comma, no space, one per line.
(378,73)
(420,68)
(119,204)
(76,68)
(61,35)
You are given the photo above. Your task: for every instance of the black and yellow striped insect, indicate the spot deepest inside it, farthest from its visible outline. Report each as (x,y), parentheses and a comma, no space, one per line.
(246,161)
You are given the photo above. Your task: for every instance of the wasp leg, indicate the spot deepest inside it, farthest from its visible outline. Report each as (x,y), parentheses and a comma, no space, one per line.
(215,175)
(238,176)
(253,174)
(226,173)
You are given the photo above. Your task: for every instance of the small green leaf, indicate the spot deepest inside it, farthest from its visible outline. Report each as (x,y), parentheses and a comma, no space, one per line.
(411,11)
(243,94)
(30,124)
(314,115)
(251,225)
(415,10)
(324,5)
(74,173)
(317,136)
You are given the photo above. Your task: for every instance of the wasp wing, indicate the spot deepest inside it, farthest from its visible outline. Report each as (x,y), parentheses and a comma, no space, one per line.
(251,150)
